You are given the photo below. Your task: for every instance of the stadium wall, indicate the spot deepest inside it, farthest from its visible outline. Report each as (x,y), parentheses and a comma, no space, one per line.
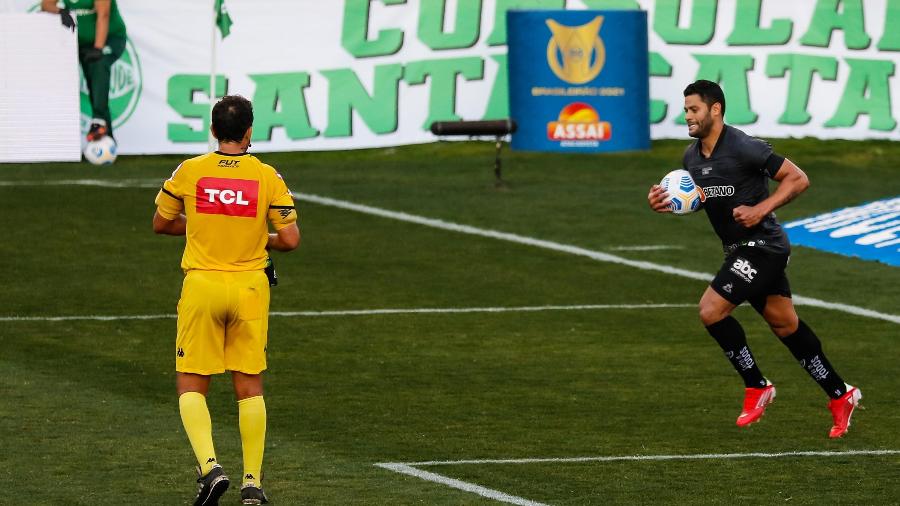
(366,73)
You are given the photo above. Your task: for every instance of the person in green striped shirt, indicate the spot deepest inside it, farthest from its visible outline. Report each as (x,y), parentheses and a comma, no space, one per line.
(101,41)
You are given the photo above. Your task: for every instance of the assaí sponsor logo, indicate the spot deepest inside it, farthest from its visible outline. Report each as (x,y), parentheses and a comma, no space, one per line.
(579,125)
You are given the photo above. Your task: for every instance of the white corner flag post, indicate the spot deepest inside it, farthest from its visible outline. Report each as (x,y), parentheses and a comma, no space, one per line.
(222,22)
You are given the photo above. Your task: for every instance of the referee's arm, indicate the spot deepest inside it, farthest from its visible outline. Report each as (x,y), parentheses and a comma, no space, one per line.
(166,226)
(285,239)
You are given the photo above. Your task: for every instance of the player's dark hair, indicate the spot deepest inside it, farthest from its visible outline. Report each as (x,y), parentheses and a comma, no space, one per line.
(709,92)
(232,116)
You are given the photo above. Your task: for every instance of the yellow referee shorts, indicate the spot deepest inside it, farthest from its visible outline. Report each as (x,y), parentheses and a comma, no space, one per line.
(223,322)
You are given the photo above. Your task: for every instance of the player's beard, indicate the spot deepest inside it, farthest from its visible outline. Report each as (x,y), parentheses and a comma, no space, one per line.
(703,128)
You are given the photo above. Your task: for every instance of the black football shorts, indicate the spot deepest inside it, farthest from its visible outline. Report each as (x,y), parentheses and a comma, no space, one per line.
(749,274)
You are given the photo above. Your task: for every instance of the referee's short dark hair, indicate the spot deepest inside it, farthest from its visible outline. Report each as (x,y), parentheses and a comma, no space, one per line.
(709,92)
(232,116)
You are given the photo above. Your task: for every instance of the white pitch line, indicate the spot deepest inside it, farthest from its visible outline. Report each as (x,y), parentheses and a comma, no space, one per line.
(493,234)
(99,318)
(620,458)
(503,236)
(458,484)
(650,247)
(363,312)
(457,310)
(102,183)
(573,250)
(411,468)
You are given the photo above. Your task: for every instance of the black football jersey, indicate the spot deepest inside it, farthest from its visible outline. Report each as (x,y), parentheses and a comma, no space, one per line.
(737,173)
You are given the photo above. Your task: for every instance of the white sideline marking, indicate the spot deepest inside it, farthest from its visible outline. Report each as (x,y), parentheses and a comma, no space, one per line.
(458,484)
(99,318)
(573,250)
(438,310)
(694,456)
(103,183)
(503,236)
(650,247)
(361,312)
(411,468)
(465,229)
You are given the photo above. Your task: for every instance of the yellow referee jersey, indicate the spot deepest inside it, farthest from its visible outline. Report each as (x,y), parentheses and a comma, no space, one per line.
(227,200)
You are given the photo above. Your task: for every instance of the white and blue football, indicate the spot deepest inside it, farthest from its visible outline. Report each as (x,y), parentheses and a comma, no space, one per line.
(684,195)
(101,151)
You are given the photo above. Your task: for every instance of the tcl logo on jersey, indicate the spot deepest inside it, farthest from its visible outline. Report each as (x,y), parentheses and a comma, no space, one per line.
(231,197)
(744,269)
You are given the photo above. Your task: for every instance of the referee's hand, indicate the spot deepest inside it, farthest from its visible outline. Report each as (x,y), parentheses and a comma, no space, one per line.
(658,199)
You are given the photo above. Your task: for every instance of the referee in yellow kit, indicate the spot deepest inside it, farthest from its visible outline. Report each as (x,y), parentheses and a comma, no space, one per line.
(222,202)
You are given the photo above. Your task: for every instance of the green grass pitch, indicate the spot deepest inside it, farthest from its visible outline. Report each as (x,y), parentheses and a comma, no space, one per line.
(88,410)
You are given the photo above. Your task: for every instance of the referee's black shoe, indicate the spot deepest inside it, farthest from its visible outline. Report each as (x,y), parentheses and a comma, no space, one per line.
(212,486)
(251,494)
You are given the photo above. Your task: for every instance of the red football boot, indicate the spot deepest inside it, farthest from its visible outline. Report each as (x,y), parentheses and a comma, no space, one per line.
(842,409)
(755,402)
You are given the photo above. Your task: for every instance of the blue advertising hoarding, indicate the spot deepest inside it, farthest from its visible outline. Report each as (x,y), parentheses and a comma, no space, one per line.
(579,80)
(870,231)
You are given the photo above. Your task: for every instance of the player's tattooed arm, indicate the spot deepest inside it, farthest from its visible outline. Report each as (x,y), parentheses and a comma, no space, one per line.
(792,181)
(791,196)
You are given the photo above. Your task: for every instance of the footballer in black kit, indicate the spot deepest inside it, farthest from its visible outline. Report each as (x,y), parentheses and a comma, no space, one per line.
(737,173)
(734,170)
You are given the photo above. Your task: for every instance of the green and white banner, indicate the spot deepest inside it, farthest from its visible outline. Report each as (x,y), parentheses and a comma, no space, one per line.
(348,74)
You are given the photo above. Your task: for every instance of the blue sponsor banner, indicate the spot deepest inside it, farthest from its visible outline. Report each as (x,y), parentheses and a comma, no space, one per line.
(579,80)
(870,231)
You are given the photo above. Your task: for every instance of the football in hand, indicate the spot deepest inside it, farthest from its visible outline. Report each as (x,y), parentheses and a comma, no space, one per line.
(684,195)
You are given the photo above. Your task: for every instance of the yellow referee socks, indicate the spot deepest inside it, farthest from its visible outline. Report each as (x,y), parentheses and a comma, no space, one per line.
(252,417)
(197,424)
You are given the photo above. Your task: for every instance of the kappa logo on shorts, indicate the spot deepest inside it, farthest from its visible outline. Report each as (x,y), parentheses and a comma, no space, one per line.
(743,268)
(231,197)
(727,288)
(179,353)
